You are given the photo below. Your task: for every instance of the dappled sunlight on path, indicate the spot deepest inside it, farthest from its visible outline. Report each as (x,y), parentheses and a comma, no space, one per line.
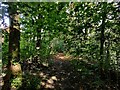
(59,72)
(60,75)
(62,57)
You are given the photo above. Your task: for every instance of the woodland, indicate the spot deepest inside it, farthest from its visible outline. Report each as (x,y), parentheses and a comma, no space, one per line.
(60,46)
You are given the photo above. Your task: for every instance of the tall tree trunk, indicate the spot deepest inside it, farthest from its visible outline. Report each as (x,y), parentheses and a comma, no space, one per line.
(38,43)
(14,45)
(102,36)
(102,40)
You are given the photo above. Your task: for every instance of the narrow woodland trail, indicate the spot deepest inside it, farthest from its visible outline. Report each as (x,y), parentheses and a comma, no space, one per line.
(60,75)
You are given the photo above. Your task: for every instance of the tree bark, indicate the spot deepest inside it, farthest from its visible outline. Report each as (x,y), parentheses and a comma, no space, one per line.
(38,43)
(102,41)
(102,36)
(14,44)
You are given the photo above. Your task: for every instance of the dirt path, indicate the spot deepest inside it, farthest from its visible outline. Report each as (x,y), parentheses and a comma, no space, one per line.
(57,73)
(60,75)
(64,75)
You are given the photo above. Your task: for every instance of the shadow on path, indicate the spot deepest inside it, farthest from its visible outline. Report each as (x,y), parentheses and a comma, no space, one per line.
(59,75)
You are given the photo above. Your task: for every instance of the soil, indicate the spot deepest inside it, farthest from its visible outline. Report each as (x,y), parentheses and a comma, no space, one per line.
(57,73)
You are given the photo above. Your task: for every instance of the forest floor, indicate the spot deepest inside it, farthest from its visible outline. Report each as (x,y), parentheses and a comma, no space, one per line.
(0,82)
(57,73)
(61,74)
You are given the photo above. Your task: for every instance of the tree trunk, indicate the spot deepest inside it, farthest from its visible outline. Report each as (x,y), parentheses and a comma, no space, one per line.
(38,43)
(102,36)
(14,45)
(102,40)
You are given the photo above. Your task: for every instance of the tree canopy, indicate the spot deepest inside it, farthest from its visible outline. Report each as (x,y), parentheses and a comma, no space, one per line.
(87,32)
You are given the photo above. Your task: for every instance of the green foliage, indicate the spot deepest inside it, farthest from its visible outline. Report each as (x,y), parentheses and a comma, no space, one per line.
(30,82)
(16,82)
(5,49)
(48,28)
(57,45)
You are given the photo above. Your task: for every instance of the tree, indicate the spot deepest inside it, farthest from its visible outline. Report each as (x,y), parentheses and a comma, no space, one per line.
(102,36)
(14,46)
(87,31)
